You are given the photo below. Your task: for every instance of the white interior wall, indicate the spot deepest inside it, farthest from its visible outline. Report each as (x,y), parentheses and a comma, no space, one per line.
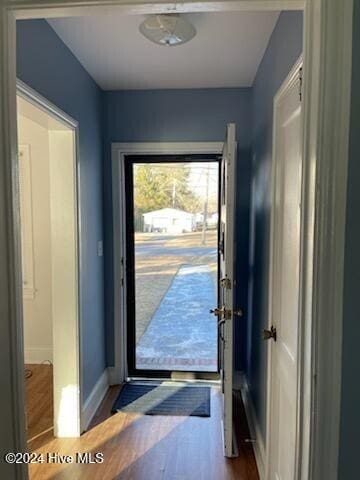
(38,343)
(64,282)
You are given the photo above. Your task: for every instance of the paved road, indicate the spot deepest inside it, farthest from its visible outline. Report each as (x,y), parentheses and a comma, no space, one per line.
(158,247)
(158,259)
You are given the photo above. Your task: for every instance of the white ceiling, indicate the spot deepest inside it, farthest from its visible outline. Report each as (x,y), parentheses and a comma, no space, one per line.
(225,52)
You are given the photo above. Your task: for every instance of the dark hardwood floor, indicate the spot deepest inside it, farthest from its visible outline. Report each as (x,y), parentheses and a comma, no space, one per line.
(144,447)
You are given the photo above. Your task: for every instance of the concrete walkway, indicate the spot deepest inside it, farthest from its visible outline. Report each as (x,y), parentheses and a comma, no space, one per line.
(182,334)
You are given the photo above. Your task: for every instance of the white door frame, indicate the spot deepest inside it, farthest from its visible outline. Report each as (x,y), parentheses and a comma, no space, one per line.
(71,424)
(327,84)
(119,373)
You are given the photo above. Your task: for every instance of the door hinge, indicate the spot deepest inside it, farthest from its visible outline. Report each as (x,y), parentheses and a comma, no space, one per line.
(300,83)
(225,283)
(268,334)
(122,271)
(249,440)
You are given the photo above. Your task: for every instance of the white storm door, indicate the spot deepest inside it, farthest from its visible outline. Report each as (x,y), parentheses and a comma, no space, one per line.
(226,287)
(286,251)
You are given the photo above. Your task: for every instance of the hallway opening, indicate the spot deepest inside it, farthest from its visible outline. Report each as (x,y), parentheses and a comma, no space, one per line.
(49,254)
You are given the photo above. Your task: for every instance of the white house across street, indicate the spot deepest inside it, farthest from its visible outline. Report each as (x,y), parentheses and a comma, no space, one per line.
(168,220)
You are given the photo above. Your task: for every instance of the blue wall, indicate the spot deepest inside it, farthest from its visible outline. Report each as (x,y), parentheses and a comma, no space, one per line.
(48,66)
(350,400)
(181,115)
(284,48)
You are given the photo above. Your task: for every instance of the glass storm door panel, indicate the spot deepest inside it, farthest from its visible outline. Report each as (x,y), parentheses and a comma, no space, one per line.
(173,222)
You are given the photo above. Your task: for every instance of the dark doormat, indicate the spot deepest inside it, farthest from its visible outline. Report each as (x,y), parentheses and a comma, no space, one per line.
(163,400)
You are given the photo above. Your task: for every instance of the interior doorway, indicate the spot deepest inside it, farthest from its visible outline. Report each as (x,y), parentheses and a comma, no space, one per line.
(172,214)
(49,251)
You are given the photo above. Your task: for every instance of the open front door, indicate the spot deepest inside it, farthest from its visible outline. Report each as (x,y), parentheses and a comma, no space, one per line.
(225,310)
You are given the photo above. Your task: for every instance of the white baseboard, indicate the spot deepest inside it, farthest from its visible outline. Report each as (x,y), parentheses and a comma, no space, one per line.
(93,401)
(38,354)
(259,448)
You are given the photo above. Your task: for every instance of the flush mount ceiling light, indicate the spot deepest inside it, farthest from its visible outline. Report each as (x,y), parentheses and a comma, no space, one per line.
(167,29)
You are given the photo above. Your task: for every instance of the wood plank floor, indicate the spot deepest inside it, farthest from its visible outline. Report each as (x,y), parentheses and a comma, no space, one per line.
(39,400)
(144,447)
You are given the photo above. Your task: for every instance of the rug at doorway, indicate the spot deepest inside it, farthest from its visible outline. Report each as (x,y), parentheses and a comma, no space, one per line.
(160,399)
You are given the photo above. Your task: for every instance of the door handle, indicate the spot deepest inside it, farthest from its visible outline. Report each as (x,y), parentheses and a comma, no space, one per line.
(220,324)
(268,334)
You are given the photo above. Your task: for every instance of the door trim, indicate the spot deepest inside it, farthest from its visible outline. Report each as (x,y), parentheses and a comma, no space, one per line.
(119,152)
(76,401)
(327,86)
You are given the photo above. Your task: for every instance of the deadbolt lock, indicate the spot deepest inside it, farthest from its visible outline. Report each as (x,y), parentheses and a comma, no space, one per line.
(226,313)
(268,334)
(221,312)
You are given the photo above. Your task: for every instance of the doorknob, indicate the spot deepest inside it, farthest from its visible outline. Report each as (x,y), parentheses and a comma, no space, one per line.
(268,334)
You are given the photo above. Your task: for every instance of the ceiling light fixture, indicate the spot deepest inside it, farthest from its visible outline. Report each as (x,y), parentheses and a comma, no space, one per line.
(167,29)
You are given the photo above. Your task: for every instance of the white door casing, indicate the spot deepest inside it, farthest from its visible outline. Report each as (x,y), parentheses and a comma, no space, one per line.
(119,372)
(62,135)
(284,294)
(26,214)
(227,286)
